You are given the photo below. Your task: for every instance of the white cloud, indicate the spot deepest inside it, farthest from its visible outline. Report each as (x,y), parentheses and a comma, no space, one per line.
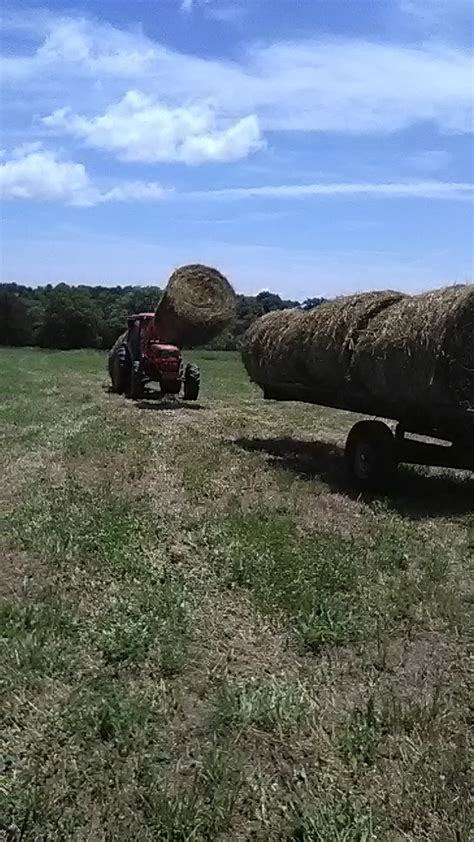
(136,191)
(394,190)
(347,85)
(34,173)
(361,87)
(140,129)
(224,11)
(81,47)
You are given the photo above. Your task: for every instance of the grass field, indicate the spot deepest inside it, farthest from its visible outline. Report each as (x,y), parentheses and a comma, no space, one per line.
(206,636)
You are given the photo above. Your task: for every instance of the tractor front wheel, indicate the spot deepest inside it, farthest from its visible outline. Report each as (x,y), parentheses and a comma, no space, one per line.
(192,382)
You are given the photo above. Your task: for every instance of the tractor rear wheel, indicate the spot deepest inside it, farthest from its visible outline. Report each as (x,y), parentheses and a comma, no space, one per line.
(120,370)
(137,386)
(192,382)
(371,456)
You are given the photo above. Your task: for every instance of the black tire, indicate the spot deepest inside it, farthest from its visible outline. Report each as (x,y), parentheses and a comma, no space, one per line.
(137,386)
(120,370)
(192,382)
(170,388)
(371,456)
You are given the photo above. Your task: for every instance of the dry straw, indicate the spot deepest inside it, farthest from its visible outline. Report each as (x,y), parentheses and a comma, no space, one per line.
(383,345)
(422,349)
(311,347)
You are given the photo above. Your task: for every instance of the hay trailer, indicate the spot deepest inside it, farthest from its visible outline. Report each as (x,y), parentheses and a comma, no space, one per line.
(374,450)
(383,354)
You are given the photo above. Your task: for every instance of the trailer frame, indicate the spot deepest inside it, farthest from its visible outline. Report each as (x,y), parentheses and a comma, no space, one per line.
(373,450)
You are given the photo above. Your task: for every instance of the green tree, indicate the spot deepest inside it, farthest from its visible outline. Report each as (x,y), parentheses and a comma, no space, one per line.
(143,299)
(15,325)
(83,316)
(113,322)
(311,303)
(70,320)
(270,301)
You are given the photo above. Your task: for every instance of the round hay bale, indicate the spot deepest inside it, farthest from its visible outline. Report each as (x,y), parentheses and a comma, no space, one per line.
(197,305)
(421,350)
(311,348)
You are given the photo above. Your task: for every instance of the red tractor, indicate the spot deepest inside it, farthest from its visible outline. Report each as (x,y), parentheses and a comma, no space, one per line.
(139,357)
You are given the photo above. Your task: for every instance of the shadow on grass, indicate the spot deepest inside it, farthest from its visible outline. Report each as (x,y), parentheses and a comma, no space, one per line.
(416,495)
(160,403)
(155,400)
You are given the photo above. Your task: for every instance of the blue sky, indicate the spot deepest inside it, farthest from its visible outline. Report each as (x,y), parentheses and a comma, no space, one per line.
(306,146)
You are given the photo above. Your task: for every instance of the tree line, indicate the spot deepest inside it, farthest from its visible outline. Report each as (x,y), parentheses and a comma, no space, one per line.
(67,317)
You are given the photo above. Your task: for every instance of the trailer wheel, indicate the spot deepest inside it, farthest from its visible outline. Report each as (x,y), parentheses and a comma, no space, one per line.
(371,455)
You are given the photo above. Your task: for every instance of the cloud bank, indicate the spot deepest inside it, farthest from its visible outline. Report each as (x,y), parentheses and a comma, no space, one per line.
(352,85)
(34,173)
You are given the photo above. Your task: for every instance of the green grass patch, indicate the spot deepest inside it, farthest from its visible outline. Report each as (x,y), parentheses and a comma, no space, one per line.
(191,652)
(333,590)
(274,705)
(70,524)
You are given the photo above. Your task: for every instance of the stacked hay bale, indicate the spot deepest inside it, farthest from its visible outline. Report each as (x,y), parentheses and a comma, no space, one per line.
(197,306)
(386,346)
(311,347)
(421,350)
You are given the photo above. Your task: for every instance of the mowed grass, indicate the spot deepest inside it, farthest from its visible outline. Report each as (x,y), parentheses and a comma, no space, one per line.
(206,635)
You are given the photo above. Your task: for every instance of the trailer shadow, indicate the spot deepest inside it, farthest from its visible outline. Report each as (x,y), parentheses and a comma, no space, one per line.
(416,495)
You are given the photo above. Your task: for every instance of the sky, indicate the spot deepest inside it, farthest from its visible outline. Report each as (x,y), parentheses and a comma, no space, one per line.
(310,147)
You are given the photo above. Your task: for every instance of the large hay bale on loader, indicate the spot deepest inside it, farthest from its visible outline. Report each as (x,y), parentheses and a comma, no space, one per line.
(390,348)
(197,305)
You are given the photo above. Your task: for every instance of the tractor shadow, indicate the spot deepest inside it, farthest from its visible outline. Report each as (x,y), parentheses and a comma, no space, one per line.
(155,401)
(416,495)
